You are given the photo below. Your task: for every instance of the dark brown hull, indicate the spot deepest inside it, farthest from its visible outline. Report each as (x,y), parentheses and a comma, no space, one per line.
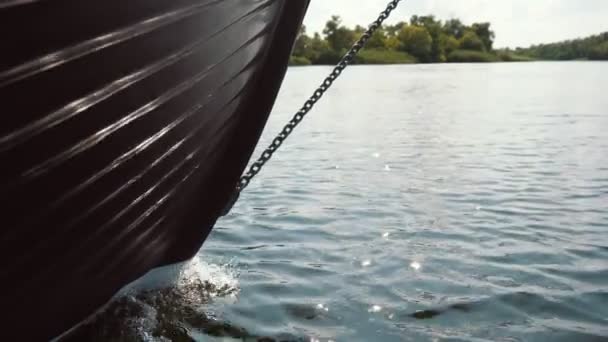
(124,128)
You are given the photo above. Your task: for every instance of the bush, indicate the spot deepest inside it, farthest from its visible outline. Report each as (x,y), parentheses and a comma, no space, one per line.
(470,41)
(329,57)
(299,60)
(417,41)
(375,56)
(599,52)
(470,56)
(513,57)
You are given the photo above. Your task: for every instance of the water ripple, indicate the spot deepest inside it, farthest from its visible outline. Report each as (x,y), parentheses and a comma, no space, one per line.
(470,205)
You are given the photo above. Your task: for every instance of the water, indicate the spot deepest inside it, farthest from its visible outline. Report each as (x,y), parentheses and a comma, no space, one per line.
(431,203)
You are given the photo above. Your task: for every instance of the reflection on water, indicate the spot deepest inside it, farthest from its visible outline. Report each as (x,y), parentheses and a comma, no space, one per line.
(422,202)
(415,265)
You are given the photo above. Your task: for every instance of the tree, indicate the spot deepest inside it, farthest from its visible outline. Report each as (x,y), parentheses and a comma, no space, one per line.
(593,47)
(470,41)
(434,28)
(393,30)
(454,27)
(599,52)
(318,47)
(431,40)
(318,44)
(324,53)
(393,43)
(378,40)
(416,41)
(359,30)
(449,43)
(339,37)
(482,30)
(302,44)
(414,21)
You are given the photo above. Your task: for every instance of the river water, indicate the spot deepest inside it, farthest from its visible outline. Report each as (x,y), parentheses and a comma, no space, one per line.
(426,202)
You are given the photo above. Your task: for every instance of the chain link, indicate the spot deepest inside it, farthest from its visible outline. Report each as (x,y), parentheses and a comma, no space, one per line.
(255,168)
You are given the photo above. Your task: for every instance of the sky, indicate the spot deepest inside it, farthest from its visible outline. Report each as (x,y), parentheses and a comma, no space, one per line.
(515,22)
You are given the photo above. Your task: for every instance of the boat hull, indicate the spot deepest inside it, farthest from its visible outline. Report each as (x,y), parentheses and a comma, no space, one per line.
(124,130)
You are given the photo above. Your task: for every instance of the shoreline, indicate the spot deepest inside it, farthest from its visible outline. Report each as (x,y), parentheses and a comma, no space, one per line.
(452,63)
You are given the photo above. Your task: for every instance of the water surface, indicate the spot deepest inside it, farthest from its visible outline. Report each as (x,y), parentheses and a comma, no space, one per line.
(426,203)
(477,192)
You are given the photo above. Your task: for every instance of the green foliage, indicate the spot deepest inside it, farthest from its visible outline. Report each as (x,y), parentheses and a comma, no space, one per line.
(506,55)
(428,40)
(392,30)
(299,60)
(483,32)
(318,47)
(308,48)
(435,30)
(416,41)
(339,37)
(392,43)
(329,57)
(449,43)
(470,41)
(470,56)
(424,39)
(378,40)
(302,44)
(454,28)
(599,53)
(374,56)
(586,48)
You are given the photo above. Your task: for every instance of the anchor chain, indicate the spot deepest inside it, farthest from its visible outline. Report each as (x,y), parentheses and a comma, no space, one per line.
(347,59)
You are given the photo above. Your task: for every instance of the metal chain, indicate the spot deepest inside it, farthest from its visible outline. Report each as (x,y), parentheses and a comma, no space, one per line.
(255,168)
(297,118)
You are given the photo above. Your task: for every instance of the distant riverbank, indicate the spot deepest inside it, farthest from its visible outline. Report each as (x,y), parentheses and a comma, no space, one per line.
(373,56)
(425,39)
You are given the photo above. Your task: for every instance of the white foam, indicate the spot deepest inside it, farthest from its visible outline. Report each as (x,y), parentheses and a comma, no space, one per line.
(222,276)
(224,279)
